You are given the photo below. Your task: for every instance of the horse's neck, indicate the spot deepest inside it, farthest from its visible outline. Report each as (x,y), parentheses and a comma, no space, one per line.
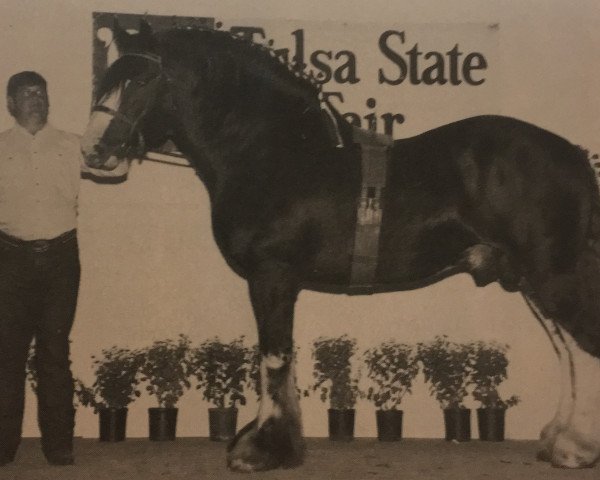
(218,140)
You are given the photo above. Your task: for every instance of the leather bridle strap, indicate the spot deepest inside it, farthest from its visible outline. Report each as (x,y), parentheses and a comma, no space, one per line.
(114,113)
(132,124)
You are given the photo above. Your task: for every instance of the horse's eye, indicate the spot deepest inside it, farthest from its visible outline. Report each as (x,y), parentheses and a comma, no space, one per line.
(140,83)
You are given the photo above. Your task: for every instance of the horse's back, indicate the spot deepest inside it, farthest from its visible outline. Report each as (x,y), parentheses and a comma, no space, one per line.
(484,180)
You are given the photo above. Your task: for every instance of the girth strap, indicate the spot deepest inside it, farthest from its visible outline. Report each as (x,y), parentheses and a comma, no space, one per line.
(374,164)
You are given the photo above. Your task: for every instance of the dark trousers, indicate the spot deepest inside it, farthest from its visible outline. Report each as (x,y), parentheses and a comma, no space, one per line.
(39,283)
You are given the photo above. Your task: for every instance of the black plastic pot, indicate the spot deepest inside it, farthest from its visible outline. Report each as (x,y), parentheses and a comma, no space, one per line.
(491,424)
(162,423)
(341,424)
(222,424)
(389,425)
(113,424)
(458,424)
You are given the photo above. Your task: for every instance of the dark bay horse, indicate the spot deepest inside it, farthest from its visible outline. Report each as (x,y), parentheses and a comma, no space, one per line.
(492,196)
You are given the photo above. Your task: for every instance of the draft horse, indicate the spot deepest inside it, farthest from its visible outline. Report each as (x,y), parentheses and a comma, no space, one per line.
(492,196)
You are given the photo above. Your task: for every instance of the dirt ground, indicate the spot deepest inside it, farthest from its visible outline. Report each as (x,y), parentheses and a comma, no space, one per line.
(199,458)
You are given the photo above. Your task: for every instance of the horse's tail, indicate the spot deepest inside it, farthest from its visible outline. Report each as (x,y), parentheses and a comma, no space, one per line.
(593,161)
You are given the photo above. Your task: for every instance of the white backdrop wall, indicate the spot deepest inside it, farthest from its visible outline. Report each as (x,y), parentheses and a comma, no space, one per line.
(151,269)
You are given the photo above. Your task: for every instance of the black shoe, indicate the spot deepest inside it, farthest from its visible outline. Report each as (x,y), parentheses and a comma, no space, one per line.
(60,458)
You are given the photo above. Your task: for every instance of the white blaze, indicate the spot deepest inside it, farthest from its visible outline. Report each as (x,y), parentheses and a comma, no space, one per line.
(98,123)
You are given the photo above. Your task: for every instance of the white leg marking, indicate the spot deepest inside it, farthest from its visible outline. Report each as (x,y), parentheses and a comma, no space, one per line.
(578,445)
(274,362)
(268,408)
(565,403)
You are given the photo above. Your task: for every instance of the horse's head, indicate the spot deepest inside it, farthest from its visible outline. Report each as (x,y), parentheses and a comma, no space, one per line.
(126,101)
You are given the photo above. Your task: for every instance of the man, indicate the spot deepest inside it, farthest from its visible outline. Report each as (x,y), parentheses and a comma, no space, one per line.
(40,170)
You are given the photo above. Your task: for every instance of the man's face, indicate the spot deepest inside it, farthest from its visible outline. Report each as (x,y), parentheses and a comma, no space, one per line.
(30,104)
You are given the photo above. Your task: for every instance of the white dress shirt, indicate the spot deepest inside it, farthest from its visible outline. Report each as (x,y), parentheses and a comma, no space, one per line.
(39,182)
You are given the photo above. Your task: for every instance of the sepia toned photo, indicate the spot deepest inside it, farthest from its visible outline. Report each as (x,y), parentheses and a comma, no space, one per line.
(299,240)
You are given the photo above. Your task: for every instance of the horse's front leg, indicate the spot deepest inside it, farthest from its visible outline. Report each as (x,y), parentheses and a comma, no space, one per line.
(274,438)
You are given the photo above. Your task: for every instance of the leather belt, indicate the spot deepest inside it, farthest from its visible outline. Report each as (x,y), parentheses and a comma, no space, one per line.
(37,246)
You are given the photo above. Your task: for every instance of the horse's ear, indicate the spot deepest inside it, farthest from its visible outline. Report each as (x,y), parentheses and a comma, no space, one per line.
(146,33)
(121,37)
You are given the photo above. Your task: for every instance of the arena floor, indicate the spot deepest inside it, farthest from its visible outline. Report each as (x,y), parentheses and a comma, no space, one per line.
(198,458)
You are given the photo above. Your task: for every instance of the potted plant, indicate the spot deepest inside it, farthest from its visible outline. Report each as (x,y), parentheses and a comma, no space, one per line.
(165,369)
(446,369)
(117,374)
(222,370)
(337,383)
(392,367)
(488,370)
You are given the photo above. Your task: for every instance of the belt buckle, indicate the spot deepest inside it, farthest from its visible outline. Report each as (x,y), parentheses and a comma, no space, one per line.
(40,246)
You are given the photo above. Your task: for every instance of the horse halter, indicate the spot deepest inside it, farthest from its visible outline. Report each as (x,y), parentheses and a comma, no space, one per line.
(133,124)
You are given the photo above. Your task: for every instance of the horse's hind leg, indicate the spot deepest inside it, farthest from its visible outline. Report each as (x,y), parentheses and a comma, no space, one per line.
(565,403)
(577,445)
(573,300)
(274,438)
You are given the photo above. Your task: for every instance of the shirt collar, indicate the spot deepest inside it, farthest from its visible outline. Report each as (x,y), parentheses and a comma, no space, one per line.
(24,133)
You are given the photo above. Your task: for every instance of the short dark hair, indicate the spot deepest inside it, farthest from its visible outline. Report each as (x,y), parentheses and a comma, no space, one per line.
(22,79)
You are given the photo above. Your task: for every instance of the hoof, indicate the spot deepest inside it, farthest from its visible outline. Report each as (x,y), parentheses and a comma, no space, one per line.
(267,448)
(547,439)
(544,454)
(571,450)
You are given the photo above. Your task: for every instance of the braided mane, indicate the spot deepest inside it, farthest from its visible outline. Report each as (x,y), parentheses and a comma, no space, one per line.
(255,59)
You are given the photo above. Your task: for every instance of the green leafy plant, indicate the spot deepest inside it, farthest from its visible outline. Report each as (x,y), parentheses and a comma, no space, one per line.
(447,370)
(333,371)
(117,374)
(392,367)
(166,370)
(488,370)
(222,370)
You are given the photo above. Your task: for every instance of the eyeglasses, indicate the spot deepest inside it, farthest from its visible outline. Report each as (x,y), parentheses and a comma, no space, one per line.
(33,92)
